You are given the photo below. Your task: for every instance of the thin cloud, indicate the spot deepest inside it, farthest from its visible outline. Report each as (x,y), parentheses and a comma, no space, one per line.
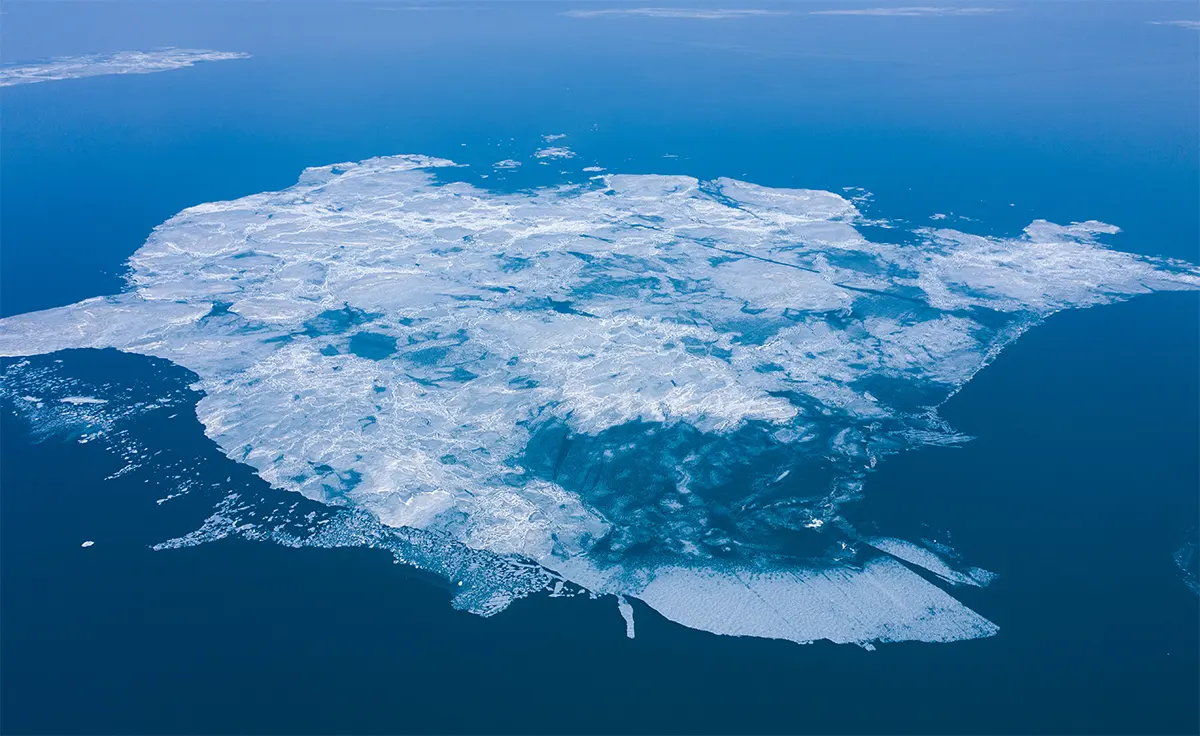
(694,13)
(913,12)
(1191,24)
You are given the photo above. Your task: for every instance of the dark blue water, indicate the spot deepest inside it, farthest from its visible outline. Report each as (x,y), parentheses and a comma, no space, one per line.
(1081,483)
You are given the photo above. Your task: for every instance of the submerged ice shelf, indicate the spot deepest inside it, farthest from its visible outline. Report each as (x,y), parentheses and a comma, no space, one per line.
(651,386)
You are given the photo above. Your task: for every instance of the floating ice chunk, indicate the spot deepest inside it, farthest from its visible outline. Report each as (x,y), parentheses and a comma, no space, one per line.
(124,322)
(122,62)
(627,614)
(644,384)
(78,400)
(882,602)
(553,152)
(1041,231)
(804,205)
(1052,268)
(88,543)
(924,558)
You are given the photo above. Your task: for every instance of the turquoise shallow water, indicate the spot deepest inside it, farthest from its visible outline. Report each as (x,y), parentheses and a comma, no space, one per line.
(1078,488)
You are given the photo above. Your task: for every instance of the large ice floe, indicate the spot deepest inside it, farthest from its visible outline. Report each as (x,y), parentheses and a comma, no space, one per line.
(650,386)
(120,62)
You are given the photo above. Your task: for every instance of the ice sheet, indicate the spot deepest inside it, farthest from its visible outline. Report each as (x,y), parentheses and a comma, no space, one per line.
(650,386)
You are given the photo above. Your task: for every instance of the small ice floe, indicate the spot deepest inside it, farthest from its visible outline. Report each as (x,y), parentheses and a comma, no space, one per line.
(88,543)
(627,614)
(79,400)
(928,560)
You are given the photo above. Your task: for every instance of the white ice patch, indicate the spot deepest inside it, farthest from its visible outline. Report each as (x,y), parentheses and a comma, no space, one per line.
(651,386)
(77,400)
(924,558)
(627,614)
(553,152)
(879,602)
(121,62)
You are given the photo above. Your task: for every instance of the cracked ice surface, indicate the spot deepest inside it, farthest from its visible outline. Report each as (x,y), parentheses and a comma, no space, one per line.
(653,386)
(121,62)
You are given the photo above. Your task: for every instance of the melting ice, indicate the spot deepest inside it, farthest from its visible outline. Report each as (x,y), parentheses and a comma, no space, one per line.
(650,386)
